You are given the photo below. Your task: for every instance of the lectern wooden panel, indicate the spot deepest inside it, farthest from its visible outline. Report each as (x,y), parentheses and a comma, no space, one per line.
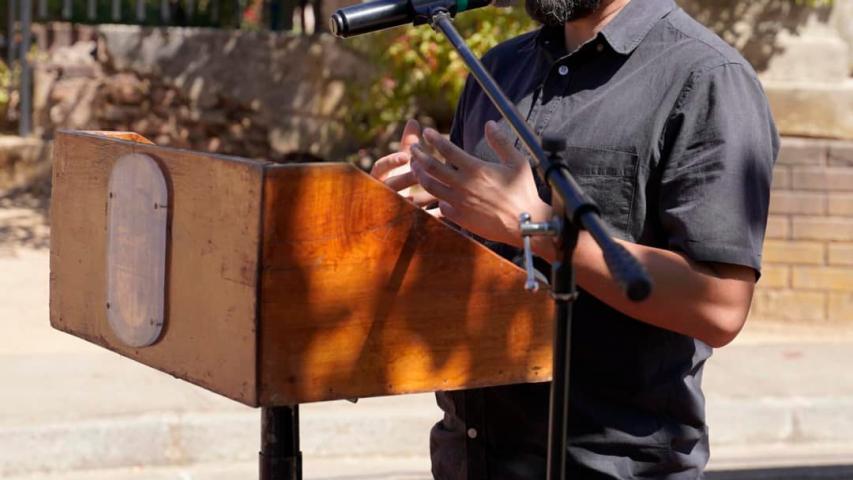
(211,299)
(289,284)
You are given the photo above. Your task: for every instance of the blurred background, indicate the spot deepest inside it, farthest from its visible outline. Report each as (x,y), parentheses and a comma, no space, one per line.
(261,79)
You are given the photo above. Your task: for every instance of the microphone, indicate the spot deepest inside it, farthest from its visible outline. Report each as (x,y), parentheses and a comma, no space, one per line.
(381,14)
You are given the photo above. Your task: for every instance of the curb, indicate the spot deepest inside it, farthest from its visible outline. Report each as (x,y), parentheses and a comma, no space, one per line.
(789,420)
(796,429)
(170,439)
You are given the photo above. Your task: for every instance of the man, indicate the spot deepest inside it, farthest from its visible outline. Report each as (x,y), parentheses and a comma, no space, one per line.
(669,132)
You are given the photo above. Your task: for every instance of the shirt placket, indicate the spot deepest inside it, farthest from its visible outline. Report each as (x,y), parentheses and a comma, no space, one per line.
(477,467)
(555,84)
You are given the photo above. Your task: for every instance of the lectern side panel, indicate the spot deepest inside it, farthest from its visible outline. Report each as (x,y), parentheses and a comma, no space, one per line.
(364,294)
(209,335)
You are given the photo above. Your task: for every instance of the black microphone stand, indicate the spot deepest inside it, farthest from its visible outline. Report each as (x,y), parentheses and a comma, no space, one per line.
(280,456)
(573,211)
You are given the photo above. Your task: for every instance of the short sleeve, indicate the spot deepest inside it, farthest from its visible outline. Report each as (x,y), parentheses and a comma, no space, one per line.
(718,151)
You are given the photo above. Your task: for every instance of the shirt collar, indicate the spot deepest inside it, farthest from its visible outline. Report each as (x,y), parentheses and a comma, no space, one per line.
(623,33)
(552,41)
(634,22)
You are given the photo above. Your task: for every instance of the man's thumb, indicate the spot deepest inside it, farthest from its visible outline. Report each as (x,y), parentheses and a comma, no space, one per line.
(503,145)
(411,135)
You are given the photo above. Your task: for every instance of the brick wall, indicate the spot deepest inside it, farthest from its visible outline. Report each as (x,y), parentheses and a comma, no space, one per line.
(808,252)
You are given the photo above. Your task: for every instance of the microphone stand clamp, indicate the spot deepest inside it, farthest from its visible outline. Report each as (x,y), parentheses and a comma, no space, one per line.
(530,229)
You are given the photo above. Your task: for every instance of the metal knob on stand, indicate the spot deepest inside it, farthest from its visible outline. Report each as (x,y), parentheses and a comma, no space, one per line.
(528,230)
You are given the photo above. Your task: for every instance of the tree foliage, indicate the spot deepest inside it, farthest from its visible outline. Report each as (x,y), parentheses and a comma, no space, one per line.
(419,75)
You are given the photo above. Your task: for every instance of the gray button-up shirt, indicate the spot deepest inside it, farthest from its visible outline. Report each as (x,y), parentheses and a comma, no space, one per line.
(669,131)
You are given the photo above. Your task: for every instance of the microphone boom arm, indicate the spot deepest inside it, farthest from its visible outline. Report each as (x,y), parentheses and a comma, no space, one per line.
(579,209)
(381,14)
(573,211)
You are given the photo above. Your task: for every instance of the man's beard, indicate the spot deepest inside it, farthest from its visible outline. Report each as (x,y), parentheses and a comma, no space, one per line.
(555,13)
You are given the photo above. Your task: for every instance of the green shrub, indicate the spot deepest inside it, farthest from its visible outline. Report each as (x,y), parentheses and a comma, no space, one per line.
(419,75)
(5,83)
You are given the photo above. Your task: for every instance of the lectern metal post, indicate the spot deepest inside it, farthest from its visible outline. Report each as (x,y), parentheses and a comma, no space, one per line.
(280,458)
(564,292)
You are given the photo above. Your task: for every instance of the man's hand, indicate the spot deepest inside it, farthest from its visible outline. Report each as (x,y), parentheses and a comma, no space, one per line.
(394,170)
(708,301)
(482,197)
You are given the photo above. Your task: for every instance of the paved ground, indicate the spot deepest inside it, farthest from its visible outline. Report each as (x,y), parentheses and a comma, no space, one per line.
(779,396)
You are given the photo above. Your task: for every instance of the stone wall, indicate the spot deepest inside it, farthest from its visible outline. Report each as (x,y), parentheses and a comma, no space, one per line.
(803,54)
(808,253)
(280,96)
(22,162)
(254,94)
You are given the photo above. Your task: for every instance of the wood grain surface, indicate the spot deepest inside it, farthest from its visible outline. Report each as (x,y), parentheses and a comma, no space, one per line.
(364,294)
(210,336)
(297,283)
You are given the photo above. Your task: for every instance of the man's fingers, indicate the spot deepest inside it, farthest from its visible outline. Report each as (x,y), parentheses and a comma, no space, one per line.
(399,182)
(453,154)
(502,144)
(447,210)
(438,189)
(383,166)
(429,165)
(421,197)
(411,135)
(431,184)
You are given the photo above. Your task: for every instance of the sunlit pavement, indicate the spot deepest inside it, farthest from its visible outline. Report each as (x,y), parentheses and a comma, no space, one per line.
(779,396)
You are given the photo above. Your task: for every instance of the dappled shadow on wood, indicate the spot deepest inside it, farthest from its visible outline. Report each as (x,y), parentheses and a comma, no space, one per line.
(364,294)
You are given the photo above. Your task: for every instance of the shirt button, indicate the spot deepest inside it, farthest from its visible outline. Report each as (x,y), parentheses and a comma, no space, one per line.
(563,70)
(472,433)
(599,47)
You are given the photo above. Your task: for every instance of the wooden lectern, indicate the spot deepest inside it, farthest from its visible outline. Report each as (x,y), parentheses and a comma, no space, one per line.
(276,285)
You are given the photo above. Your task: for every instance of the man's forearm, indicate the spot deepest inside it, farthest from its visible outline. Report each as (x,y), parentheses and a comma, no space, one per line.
(703,300)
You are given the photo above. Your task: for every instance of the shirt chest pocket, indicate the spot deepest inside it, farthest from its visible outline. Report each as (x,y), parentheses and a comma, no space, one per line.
(609,177)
